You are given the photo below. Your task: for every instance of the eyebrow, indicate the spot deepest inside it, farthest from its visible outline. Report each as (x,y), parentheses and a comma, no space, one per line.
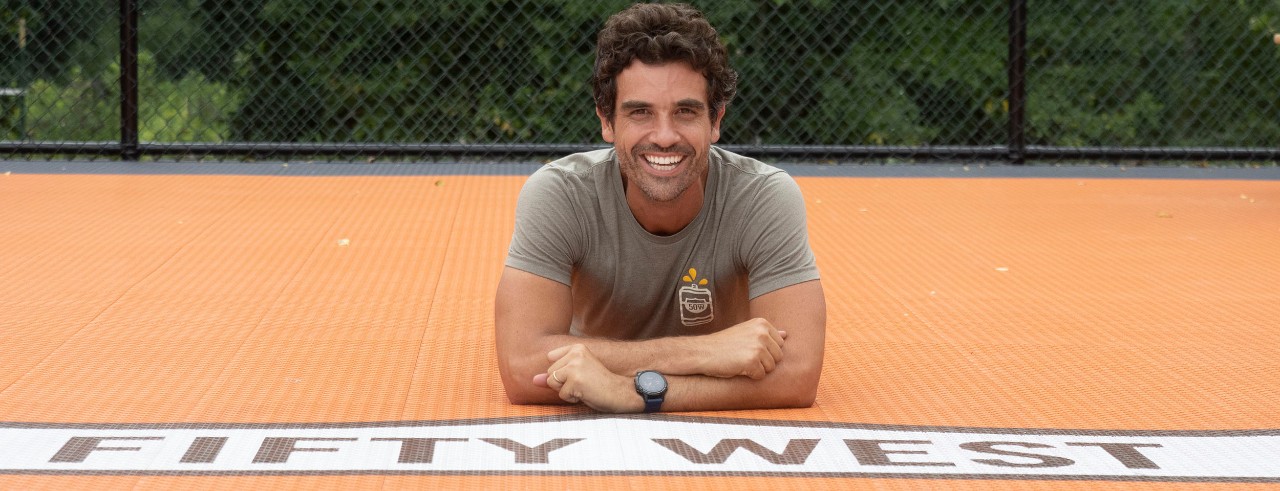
(691,103)
(629,105)
(688,103)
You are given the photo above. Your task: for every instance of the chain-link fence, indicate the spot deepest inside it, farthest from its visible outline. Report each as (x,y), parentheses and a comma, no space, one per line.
(356,79)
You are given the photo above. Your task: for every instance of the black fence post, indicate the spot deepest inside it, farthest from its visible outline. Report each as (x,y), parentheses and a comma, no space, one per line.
(129,148)
(1017,81)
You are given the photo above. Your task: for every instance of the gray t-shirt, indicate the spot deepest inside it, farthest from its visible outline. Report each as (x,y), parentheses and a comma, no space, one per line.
(573,226)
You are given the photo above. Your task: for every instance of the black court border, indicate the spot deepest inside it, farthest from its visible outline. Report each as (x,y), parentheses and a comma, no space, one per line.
(957,170)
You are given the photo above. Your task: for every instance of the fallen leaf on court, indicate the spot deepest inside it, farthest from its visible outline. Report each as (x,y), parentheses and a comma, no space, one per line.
(439,183)
(344,242)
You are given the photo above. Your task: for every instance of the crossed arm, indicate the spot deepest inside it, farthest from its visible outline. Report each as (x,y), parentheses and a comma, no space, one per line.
(771,361)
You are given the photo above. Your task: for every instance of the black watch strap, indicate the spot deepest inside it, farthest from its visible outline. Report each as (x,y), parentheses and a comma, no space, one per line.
(653,404)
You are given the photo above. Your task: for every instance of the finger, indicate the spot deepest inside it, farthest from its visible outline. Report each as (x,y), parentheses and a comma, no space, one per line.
(541,380)
(558,353)
(570,395)
(775,351)
(782,334)
(758,372)
(557,376)
(768,363)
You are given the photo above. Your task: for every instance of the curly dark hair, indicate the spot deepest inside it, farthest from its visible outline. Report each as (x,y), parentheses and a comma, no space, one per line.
(657,34)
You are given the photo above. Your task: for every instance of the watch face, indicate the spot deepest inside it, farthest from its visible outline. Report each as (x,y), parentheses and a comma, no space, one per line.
(651,382)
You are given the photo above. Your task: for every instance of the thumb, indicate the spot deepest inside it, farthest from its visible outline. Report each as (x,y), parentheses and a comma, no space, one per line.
(540,380)
(782,333)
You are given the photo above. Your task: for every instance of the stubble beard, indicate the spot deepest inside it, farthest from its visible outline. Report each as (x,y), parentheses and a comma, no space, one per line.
(661,189)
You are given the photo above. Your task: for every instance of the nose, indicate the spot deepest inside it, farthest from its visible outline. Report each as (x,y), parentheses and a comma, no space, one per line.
(665,134)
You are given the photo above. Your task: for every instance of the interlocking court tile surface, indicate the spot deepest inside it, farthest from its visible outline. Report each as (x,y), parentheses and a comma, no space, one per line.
(263,301)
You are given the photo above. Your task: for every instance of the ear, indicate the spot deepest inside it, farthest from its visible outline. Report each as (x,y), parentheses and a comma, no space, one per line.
(606,128)
(715,124)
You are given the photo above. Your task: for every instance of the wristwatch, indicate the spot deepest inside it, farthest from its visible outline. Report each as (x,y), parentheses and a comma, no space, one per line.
(652,386)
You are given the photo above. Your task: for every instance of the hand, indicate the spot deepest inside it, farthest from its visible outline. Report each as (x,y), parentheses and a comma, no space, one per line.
(580,377)
(752,349)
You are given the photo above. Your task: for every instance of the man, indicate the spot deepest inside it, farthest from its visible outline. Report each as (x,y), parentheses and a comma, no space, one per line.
(664,273)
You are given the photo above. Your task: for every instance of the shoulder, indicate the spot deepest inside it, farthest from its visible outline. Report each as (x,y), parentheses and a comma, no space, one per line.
(748,177)
(573,175)
(583,164)
(743,167)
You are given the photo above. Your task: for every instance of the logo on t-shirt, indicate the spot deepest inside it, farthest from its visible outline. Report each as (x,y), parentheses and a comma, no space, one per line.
(695,301)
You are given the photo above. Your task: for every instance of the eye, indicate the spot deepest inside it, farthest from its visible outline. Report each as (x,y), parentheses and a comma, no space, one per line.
(687,112)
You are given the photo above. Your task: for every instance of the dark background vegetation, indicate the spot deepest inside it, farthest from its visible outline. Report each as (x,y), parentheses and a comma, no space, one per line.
(906,72)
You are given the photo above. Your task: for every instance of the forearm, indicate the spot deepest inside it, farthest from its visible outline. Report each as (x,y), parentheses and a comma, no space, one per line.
(792,384)
(579,376)
(674,356)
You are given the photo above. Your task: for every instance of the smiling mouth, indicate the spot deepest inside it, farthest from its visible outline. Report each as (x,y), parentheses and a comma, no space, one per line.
(663,164)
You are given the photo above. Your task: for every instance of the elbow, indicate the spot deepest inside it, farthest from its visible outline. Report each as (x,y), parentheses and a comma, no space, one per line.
(518,392)
(521,394)
(793,397)
(529,395)
(805,397)
(802,390)
(800,396)
(520,389)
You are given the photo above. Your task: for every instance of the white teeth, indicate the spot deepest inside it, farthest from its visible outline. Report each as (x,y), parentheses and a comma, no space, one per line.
(663,161)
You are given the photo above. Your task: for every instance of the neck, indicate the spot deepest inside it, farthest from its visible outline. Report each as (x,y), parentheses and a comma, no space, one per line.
(666,217)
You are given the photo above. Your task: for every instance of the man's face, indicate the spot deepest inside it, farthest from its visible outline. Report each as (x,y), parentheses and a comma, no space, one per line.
(662,129)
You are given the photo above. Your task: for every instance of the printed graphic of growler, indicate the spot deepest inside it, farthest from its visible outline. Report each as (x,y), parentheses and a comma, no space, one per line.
(695,301)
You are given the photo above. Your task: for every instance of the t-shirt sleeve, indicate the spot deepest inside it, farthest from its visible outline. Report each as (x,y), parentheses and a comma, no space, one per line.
(546,233)
(775,241)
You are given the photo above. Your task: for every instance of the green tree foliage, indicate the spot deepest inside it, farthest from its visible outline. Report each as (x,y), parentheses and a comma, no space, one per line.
(908,72)
(1155,72)
(419,70)
(87,108)
(56,37)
